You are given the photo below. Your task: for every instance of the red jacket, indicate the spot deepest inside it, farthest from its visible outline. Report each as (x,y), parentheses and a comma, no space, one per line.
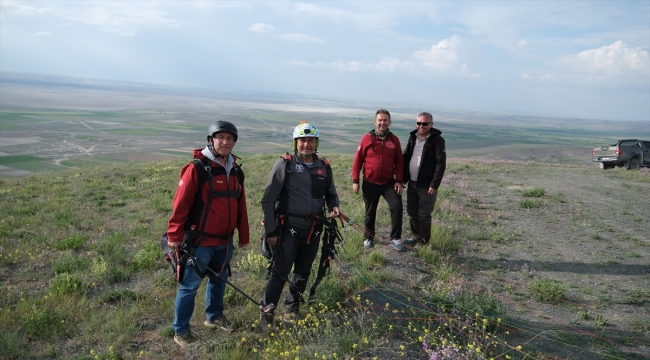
(382,160)
(226,213)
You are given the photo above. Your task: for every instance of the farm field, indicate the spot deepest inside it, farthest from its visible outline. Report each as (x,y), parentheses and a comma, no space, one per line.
(49,127)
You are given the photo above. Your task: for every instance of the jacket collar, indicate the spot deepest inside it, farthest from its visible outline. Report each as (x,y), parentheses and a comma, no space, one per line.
(373,132)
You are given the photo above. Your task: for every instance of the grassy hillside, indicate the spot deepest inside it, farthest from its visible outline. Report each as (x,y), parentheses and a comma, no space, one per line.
(82,275)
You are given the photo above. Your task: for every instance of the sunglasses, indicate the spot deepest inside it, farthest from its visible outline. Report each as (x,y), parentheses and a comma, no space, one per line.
(423,123)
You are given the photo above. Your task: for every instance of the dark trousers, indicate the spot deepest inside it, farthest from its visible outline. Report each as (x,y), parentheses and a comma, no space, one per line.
(292,251)
(371,194)
(419,206)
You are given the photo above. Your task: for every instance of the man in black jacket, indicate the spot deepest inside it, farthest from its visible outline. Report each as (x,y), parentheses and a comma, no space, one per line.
(425,160)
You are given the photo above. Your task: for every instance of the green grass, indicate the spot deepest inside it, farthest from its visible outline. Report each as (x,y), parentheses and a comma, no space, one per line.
(531,204)
(16,160)
(547,290)
(534,192)
(90,274)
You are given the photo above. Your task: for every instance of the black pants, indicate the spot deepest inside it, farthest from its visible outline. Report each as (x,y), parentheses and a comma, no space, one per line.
(419,206)
(292,251)
(371,194)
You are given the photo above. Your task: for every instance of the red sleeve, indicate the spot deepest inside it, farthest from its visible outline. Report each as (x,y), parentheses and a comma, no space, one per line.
(242,220)
(399,161)
(359,158)
(183,200)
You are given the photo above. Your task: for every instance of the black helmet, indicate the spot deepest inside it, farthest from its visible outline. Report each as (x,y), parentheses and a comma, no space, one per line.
(222,126)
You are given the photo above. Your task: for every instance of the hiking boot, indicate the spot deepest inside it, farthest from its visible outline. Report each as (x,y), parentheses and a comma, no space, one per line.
(291,317)
(184,340)
(397,244)
(222,323)
(368,244)
(409,242)
(267,322)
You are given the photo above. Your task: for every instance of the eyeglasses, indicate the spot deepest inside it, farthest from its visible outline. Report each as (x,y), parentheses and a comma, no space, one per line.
(423,123)
(228,139)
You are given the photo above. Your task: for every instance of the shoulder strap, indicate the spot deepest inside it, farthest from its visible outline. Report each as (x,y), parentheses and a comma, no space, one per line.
(328,169)
(204,172)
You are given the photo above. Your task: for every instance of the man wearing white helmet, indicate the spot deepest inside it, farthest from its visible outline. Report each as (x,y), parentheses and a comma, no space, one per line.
(297,191)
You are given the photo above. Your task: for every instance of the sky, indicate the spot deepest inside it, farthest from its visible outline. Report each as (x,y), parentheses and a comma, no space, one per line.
(582,59)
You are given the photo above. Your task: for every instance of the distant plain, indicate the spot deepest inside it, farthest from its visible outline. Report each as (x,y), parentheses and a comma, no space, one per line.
(54,124)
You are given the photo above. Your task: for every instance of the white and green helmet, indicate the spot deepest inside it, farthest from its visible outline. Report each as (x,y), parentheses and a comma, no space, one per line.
(304,130)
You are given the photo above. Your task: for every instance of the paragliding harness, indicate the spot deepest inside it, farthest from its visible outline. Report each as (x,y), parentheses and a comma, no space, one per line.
(329,240)
(198,215)
(328,252)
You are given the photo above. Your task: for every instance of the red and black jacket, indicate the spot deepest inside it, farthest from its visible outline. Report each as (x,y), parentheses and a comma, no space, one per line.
(227,208)
(382,160)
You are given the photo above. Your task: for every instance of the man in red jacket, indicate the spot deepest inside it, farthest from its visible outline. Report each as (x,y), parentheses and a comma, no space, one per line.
(380,155)
(212,178)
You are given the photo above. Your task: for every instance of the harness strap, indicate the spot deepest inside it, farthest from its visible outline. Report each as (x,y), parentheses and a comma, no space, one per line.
(311,231)
(225,194)
(209,235)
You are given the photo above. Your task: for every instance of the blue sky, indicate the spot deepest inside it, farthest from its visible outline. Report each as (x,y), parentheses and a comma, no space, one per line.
(586,59)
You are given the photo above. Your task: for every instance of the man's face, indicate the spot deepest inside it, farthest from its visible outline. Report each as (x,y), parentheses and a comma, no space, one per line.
(306,146)
(382,122)
(223,143)
(423,125)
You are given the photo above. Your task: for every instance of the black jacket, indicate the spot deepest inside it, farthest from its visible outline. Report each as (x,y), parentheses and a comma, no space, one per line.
(433,163)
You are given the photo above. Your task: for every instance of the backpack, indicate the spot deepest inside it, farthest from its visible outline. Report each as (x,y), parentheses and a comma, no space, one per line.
(205,173)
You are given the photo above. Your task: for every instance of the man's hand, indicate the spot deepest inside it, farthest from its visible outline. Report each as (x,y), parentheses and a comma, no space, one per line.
(399,188)
(432,191)
(355,188)
(335,212)
(174,245)
(272,241)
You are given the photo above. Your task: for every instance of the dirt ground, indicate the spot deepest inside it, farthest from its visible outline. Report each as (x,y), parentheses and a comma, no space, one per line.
(590,234)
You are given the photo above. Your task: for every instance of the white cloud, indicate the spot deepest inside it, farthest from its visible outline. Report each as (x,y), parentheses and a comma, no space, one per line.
(523,43)
(546,77)
(442,56)
(121,17)
(300,38)
(525,76)
(362,19)
(611,60)
(298,63)
(15,8)
(262,27)
(349,66)
(336,65)
(42,33)
(390,64)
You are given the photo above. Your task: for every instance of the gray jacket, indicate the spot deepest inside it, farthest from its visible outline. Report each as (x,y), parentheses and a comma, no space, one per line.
(308,191)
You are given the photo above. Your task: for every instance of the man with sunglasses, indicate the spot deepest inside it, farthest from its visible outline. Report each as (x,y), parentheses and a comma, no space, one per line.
(425,160)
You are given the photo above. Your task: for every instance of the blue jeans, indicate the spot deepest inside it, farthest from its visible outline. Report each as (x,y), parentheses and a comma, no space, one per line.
(217,257)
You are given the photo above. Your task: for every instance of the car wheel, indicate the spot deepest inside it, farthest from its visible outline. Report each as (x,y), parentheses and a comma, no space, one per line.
(633,164)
